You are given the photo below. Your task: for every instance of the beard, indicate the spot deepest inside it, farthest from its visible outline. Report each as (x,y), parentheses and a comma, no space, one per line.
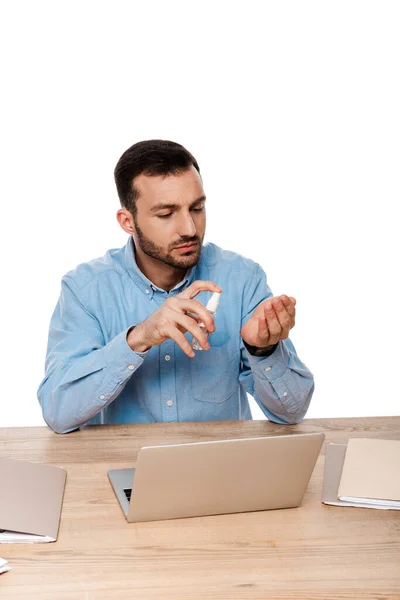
(184,261)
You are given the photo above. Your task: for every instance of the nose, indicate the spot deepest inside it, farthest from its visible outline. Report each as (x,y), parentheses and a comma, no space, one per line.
(187,227)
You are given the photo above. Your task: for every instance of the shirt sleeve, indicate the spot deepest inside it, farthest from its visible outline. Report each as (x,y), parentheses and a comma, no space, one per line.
(83,374)
(280,383)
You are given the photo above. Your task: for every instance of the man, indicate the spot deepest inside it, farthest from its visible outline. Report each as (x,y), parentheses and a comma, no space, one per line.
(119,344)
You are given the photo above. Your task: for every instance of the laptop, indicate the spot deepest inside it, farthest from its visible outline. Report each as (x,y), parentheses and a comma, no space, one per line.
(31,499)
(217,477)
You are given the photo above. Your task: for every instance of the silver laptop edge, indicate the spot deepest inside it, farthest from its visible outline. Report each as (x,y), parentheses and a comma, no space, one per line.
(185,479)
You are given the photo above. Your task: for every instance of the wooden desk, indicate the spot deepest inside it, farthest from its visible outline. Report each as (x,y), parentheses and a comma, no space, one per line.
(313,552)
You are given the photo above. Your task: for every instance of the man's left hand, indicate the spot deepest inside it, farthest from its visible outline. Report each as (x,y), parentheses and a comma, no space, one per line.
(271,322)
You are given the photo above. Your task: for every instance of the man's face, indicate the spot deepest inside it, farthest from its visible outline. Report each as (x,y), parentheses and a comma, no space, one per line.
(170,220)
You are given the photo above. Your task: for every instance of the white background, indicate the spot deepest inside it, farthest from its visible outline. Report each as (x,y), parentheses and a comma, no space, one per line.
(292,110)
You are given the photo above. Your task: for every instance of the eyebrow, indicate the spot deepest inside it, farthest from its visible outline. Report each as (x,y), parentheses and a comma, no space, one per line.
(164,206)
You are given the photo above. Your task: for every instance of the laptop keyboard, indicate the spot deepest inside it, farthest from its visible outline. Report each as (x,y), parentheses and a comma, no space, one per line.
(128,493)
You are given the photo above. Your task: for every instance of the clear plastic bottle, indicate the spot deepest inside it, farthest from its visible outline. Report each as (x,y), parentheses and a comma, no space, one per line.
(212,306)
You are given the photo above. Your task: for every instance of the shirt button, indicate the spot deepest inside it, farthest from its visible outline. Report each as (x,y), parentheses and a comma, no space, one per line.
(169,402)
(147,291)
(285,394)
(167,357)
(102,397)
(268,368)
(131,367)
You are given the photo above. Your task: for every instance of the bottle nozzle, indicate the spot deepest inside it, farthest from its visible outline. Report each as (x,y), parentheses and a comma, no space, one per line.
(213,302)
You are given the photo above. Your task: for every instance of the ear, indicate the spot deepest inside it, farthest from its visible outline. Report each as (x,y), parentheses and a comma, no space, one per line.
(125,220)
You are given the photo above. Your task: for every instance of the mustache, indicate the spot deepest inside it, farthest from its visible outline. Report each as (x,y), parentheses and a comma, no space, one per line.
(186,240)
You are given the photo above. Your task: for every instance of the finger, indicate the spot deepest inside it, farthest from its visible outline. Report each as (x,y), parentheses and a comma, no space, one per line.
(263,332)
(188,324)
(199,286)
(284,318)
(273,324)
(183,305)
(288,304)
(192,316)
(180,340)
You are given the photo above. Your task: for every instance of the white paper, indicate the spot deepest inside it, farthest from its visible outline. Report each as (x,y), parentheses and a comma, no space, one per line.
(356,504)
(372,502)
(4,566)
(14,537)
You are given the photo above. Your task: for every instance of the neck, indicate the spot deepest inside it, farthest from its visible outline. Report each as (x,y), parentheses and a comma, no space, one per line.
(162,275)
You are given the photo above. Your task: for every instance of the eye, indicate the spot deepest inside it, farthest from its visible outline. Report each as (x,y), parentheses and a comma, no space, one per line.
(165,216)
(200,209)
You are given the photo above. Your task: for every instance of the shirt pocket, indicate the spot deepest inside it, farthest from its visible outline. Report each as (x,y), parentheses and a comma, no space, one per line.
(215,374)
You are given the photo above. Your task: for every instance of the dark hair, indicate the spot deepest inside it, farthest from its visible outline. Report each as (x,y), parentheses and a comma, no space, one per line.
(150,157)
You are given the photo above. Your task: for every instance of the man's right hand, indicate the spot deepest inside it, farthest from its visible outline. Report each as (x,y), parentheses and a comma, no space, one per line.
(172,320)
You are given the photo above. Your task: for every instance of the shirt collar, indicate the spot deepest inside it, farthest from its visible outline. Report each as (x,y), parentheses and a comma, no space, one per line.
(147,286)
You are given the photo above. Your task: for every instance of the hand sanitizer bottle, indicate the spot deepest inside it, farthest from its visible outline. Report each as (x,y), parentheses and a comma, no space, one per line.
(212,306)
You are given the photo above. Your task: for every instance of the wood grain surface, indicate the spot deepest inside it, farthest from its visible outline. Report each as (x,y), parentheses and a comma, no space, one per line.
(311,552)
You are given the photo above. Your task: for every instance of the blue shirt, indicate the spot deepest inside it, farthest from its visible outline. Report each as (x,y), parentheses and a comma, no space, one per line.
(93,376)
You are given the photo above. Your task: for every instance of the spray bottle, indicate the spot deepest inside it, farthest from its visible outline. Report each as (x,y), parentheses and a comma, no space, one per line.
(212,306)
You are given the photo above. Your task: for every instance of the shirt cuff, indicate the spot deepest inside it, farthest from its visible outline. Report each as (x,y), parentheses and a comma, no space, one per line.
(272,367)
(121,359)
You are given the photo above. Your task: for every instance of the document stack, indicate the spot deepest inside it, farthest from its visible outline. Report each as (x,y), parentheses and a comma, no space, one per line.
(364,474)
